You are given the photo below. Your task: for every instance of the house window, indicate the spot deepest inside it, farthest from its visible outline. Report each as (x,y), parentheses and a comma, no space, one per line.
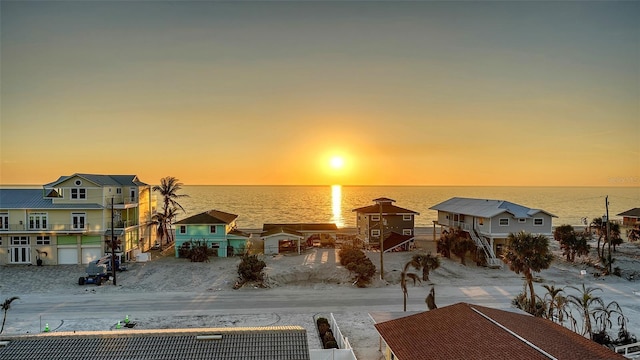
(43,240)
(37,221)
(538,222)
(78,220)
(375,217)
(212,229)
(407,232)
(406,217)
(375,232)
(78,182)
(480,221)
(504,221)
(522,221)
(0,240)
(78,193)
(183,229)
(19,240)
(4,221)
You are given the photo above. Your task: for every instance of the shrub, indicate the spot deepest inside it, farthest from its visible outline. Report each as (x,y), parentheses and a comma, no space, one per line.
(331,345)
(250,268)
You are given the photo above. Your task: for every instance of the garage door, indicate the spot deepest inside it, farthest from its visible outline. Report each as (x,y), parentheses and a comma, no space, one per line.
(90,254)
(67,256)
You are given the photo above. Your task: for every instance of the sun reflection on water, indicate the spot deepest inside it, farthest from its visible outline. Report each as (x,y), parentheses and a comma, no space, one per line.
(336,205)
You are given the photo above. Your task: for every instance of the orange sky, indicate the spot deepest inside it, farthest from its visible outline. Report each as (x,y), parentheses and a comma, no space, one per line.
(408,93)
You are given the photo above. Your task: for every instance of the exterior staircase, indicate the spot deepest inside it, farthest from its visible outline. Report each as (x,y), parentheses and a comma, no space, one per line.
(492,261)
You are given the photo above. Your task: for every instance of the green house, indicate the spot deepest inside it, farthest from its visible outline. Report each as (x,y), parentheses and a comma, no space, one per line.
(215,229)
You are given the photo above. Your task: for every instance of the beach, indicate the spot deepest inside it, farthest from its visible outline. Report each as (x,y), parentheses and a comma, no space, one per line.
(315,271)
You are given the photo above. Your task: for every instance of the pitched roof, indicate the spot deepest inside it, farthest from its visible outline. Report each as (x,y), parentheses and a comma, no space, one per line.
(103,180)
(281,342)
(303,226)
(635,212)
(466,331)
(394,240)
(387,208)
(208,218)
(34,199)
(281,230)
(486,208)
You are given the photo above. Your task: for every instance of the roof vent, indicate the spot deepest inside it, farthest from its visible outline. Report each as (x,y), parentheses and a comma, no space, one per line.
(209,337)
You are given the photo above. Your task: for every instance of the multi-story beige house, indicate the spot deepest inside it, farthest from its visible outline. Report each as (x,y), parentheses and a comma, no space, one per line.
(75,219)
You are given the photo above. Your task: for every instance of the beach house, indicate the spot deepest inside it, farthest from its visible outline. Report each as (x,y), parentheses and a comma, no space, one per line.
(489,222)
(630,217)
(75,219)
(215,229)
(395,225)
(467,331)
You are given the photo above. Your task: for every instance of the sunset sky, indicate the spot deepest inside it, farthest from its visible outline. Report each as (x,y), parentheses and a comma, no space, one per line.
(405,93)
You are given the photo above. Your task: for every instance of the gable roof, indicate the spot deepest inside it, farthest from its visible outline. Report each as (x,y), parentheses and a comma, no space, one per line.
(466,331)
(281,230)
(209,218)
(387,208)
(303,226)
(103,180)
(635,212)
(281,342)
(486,208)
(34,199)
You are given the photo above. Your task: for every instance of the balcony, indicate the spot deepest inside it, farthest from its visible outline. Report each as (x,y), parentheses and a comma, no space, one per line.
(121,201)
(51,227)
(121,224)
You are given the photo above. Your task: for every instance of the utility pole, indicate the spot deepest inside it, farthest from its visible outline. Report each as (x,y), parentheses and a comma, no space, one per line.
(609,259)
(113,245)
(381,243)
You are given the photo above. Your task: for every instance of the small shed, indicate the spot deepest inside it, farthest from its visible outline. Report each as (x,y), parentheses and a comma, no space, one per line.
(281,238)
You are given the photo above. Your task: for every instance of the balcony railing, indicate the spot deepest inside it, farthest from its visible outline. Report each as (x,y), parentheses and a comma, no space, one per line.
(121,200)
(50,227)
(122,224)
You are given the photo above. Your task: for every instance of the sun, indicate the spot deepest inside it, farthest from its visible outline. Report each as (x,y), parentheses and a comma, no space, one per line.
(337,162)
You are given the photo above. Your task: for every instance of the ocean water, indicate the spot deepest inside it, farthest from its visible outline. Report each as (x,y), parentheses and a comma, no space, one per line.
(256,205)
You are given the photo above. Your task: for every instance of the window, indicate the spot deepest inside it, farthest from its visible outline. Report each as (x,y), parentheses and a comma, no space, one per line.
(78,182)
(375,232)
(78,220)
(522,221)
(504,222)
(19,240)
(407,232)
(43,240)
(406,217)
(480,221)
(538,222)
(183,229)
(0,240)
(118,191)
(78,193)
(212,229)
(37,221)
(4,221)
(375,217)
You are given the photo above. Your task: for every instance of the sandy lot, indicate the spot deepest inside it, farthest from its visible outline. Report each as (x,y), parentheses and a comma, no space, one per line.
(315,268)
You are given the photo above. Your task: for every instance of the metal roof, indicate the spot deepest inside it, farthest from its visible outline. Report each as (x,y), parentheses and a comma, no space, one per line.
(34,199)
(303,226)
(635,212)
(258,343)
(103,180)
(485,208)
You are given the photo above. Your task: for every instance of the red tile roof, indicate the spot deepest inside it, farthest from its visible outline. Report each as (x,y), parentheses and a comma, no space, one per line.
(466,331)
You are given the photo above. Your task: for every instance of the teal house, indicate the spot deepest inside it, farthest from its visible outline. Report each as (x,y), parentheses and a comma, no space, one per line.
(216,229)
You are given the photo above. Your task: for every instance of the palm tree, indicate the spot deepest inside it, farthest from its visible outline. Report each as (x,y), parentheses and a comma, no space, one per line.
(426,262)
(5,307)
(168,188)
(555,301)
(634,233)
(415,262)
(600,226)
(526,253)
(587,304)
